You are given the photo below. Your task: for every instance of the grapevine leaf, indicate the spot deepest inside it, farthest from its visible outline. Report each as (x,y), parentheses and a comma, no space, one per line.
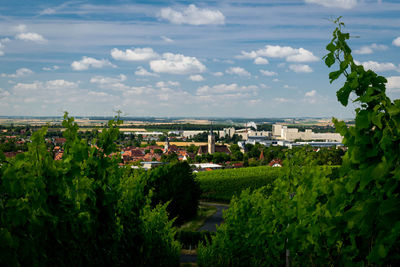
(334,75)
(343,95)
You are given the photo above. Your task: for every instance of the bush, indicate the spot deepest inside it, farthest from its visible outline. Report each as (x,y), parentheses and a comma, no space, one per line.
(191,239)
(174,183)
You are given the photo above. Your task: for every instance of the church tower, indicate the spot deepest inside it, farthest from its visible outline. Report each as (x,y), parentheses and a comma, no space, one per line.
(211,142)
(166,146)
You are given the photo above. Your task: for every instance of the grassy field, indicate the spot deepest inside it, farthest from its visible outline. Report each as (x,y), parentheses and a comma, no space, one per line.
(221,185)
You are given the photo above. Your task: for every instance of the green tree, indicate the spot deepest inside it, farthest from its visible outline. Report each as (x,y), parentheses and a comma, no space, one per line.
(176,185)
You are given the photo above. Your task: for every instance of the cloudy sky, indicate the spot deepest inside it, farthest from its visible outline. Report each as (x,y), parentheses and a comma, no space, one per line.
(241,58)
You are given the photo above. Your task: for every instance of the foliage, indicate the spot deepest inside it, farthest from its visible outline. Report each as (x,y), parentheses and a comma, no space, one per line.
(82,210)
(174,184)
(316,216)
(222,185)
(257,224)
(191,239)
(172,157)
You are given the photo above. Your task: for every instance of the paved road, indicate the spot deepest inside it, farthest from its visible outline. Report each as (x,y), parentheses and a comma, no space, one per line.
(188,258)
(211,223)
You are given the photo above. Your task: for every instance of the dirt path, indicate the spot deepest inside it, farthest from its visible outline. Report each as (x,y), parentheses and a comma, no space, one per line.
(211,223)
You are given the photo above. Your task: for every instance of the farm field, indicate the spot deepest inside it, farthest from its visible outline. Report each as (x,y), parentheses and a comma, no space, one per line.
(221,185)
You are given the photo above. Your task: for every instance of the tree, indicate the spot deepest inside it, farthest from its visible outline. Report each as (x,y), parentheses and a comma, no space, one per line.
(176,185)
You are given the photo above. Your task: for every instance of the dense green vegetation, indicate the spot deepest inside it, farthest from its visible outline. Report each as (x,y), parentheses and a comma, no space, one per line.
(174,184)
(312,218)
(222,185)
(82,210)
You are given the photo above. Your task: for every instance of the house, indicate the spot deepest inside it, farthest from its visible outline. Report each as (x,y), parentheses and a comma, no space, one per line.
(275,163)
(151,164)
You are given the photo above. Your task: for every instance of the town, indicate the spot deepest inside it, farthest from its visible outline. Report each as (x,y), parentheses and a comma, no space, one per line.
(242,145)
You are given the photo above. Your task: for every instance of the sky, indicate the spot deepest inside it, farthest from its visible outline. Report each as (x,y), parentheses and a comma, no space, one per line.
(238,58)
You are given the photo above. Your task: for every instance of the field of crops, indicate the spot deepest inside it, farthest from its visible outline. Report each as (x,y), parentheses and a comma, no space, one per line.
(221,185)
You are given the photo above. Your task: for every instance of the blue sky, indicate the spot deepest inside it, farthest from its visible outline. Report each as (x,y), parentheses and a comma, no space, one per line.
(239,58)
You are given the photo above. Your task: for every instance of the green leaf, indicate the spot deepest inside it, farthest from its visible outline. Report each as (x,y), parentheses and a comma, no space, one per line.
(362,120)
(334,75)
(329,60)
(343,95)
(382,251)
(331,47)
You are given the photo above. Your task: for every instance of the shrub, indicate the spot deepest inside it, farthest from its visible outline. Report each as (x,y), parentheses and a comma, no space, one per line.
(176,184)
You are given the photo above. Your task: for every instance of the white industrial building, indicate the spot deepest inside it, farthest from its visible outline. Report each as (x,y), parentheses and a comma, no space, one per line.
(290,134)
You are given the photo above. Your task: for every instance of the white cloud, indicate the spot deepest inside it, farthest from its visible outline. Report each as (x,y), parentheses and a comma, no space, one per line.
(49,85)
(345,4)
(282,100)
(396,41)
(393,83)
(106,80)
(166,39)
(87,62)
(300,68)
(196,78)
(31,36)
(137,54)
(55,67)
(162,84)
(260,61)
(237,71)
(268,73)
(193,16)
(3,93)
(225,89)
(140,71)
(311,93)
(18,73)
(177,64)
(369,49)
(275,51)
(275,80)
(28,86)
(20,28)
(376,66)
(48,11)
(2,46)
(110,83)
(227,61)
(60,84)
(218,74)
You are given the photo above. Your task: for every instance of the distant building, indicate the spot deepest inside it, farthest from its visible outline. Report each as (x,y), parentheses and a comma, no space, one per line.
(227,132)
(151,164)
(211,142)
(206,166)
(291,134)
(166,146)
(211,147)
